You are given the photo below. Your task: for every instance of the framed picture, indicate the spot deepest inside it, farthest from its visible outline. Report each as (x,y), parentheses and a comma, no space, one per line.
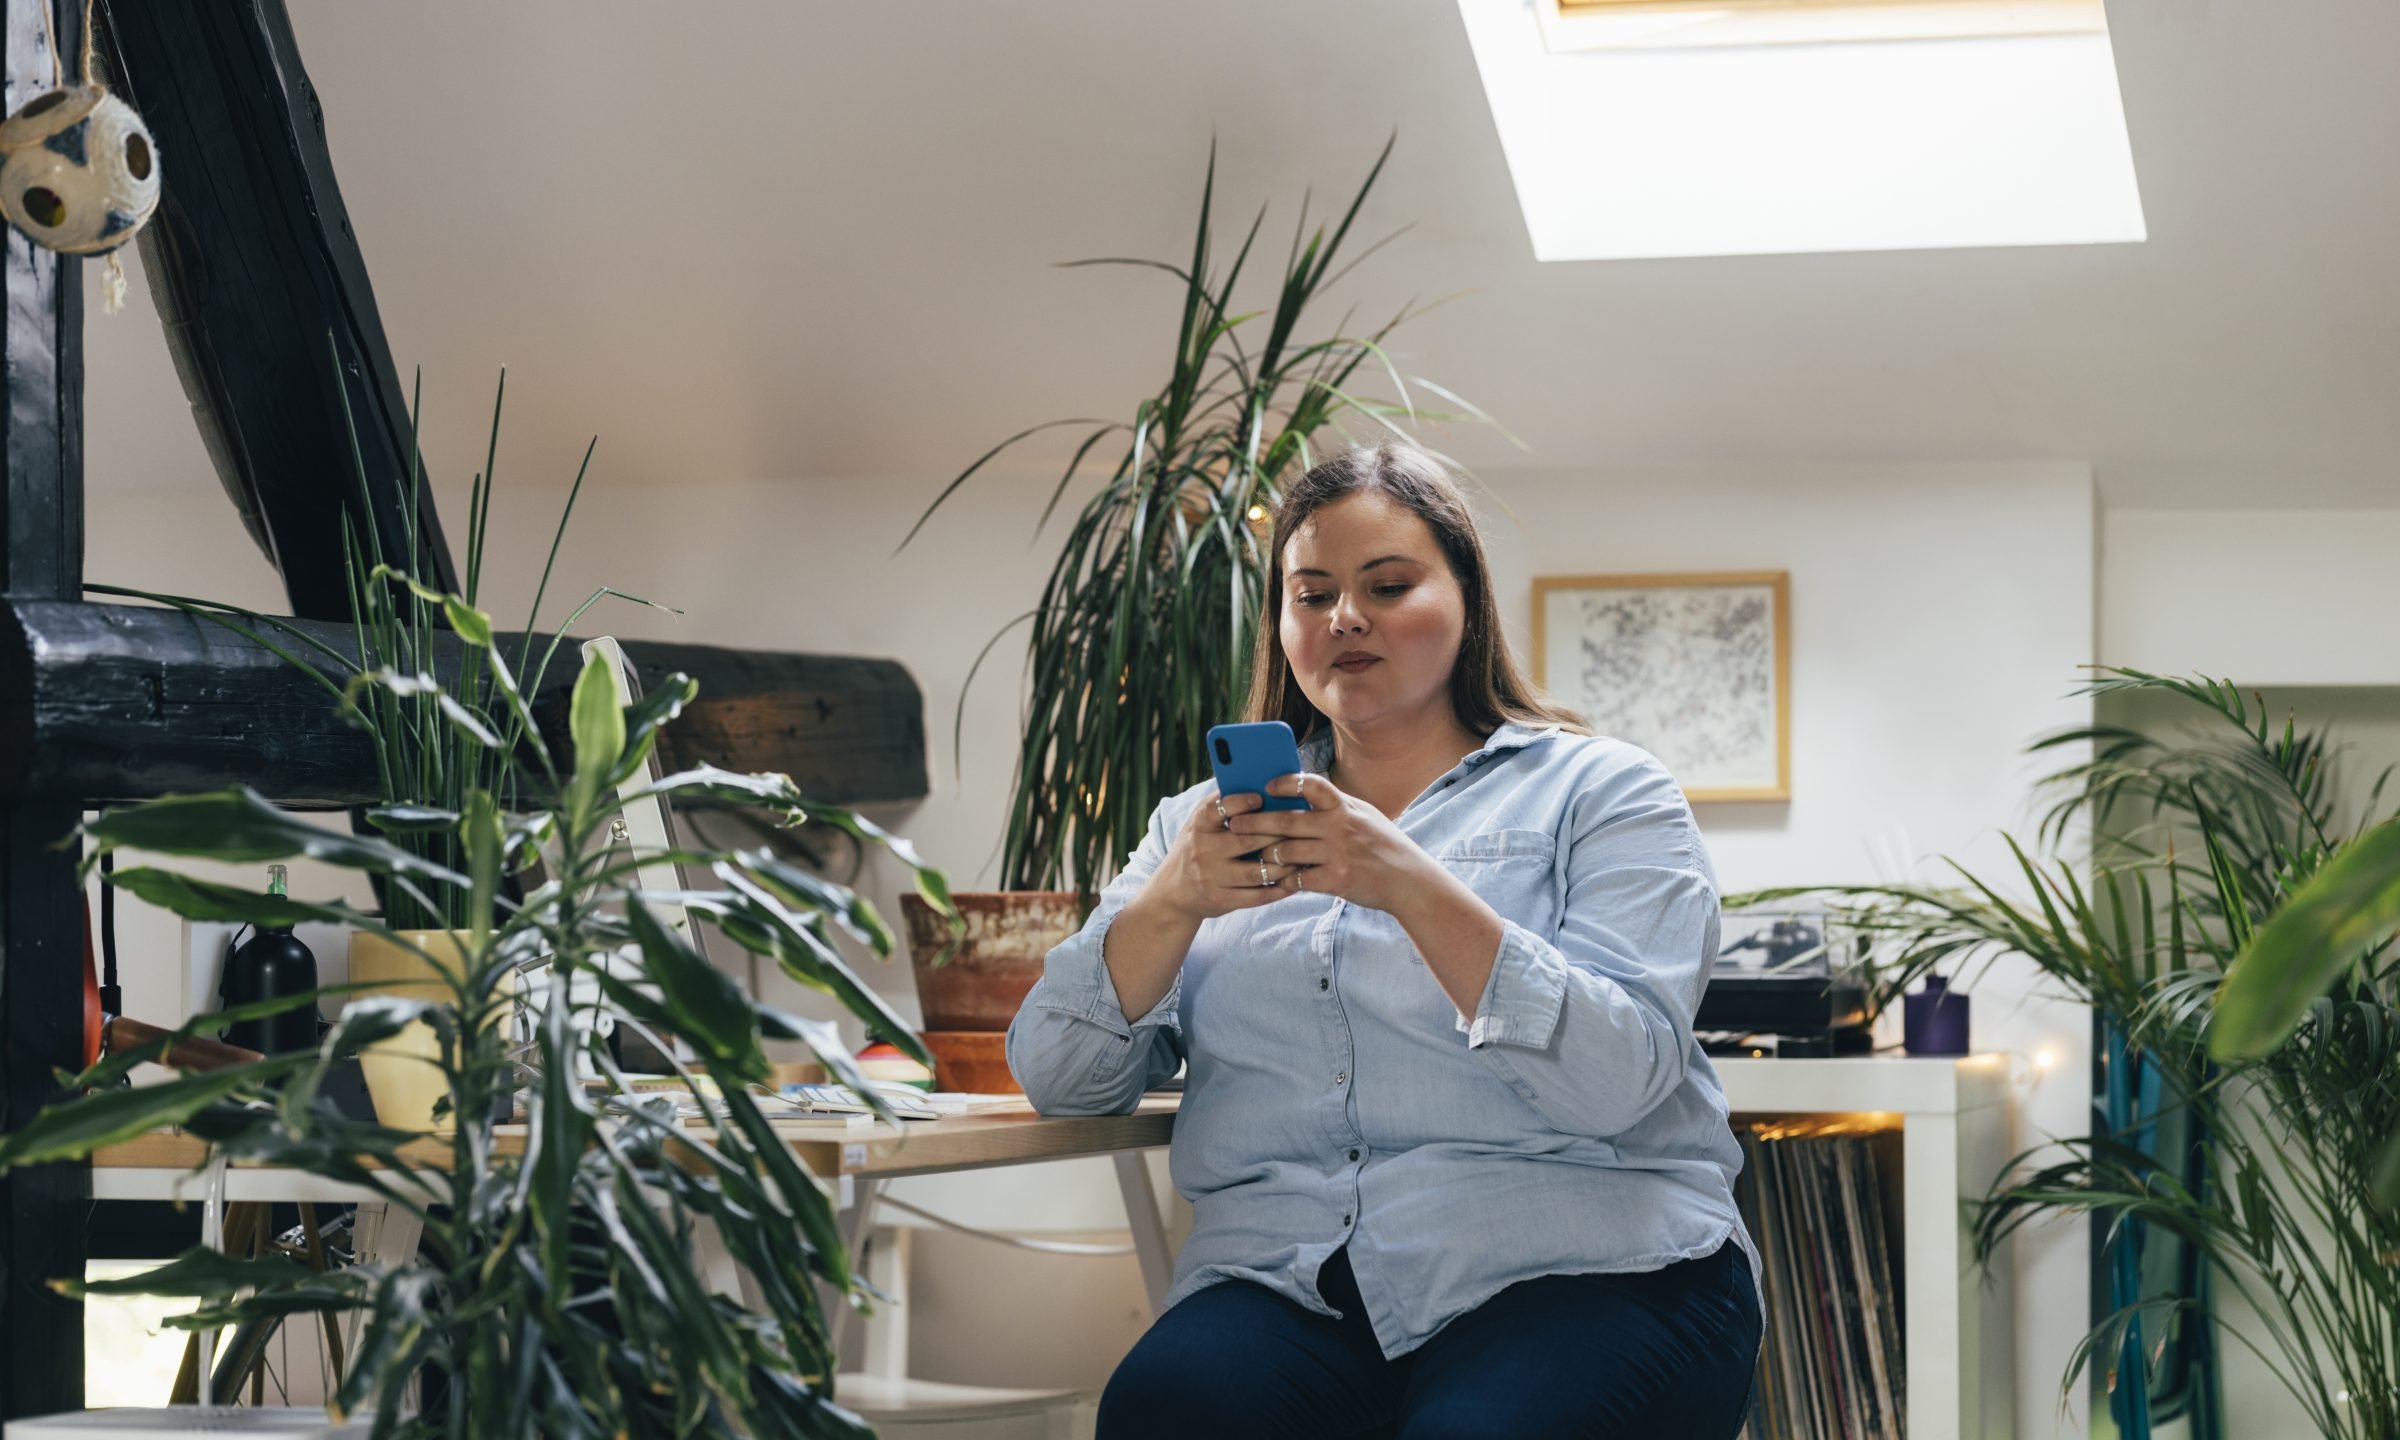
(1696,669)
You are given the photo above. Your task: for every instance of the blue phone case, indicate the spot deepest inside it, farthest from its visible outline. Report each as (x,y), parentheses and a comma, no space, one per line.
(1247,756)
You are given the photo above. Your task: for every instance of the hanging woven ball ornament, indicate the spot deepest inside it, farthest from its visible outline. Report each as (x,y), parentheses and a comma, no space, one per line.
(78,170)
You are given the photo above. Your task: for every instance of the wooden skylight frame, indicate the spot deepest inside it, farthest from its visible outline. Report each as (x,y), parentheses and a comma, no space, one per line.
(1585,25)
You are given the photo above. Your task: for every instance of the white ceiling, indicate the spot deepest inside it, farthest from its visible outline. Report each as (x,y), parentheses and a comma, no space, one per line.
(799,238)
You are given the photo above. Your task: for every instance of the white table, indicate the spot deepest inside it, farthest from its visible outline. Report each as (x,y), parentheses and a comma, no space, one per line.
(1960,1337)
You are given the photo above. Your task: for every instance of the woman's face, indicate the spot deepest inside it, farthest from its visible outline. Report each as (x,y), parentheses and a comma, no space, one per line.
(1372,616)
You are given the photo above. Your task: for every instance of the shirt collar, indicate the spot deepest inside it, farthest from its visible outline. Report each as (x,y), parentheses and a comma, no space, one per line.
(1316,752)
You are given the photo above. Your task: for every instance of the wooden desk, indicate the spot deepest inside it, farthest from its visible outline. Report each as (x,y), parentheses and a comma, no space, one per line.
(855,1157)
(164,1166)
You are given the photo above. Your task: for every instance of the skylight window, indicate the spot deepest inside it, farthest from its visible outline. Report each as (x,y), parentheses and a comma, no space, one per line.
(1654,128)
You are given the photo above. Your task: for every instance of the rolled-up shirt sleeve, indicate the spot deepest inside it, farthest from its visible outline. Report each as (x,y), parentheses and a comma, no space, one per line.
(1071,1045)
(1594,1029)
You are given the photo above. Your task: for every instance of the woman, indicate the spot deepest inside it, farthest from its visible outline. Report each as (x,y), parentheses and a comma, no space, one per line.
(1456,1164)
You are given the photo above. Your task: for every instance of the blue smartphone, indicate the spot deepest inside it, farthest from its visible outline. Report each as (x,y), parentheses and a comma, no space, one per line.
(1247,756)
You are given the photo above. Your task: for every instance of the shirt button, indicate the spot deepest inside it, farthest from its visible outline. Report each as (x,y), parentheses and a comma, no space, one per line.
(1341,1077)
(1323,983)
(1354,1154)
(1345,1219)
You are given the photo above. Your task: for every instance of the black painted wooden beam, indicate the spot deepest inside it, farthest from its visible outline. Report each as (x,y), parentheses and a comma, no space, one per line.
(124,702)
(42,1210)
(255,272)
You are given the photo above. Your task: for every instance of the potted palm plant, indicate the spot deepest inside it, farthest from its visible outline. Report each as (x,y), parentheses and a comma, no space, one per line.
(1141,639)
(2235,944)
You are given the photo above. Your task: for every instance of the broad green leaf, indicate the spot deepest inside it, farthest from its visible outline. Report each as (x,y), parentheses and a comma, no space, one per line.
(72,1128)
(754,919)
(487,851)
(467,722)
(931,883)
(318,1297)
(598,724)
(769,790)
(199,1272)
(372,1018)
(2318,934)
(412,819)
(399,1317)
(197,899)
(562,1130)
(659,706)
(472,625)
(325,1143)
(240,826)
(2384,1185)
(702,1003)
(795,886)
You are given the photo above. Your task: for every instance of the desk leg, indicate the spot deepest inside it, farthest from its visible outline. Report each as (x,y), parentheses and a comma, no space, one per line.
(883,1336)
(381,1233)
(1148,1227)
(857,1221)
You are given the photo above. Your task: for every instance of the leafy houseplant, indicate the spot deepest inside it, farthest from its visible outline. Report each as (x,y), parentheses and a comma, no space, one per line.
(1142,637)
(434,744)
(2318,943)
(2271,1102)
(556,1293)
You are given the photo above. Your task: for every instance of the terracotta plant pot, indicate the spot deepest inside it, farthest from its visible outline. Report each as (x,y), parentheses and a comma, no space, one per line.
(976,990)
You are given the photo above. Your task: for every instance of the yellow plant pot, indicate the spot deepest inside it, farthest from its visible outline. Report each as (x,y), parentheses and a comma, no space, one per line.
(404,1073)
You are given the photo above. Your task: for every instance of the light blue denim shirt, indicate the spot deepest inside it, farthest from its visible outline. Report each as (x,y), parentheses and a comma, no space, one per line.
(1335,1096)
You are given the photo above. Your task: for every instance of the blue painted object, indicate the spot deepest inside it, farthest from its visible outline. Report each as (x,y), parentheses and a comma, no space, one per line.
(1247,756)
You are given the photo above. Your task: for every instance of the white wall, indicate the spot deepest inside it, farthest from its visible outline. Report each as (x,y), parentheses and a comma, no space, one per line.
(2267,597)
(1939,614)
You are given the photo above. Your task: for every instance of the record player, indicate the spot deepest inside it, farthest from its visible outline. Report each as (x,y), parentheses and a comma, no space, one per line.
(1779,986)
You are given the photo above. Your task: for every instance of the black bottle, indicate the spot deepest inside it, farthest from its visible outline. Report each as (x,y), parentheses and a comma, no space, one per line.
(271,963)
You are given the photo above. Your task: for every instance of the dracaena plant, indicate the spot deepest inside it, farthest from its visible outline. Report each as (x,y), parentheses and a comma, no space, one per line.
(2234,939)
(1142,637)
(434,744)
(556,1293)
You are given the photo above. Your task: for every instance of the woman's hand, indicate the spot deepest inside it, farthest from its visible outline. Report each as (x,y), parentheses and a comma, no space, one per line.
(1203,876)
(1339,846)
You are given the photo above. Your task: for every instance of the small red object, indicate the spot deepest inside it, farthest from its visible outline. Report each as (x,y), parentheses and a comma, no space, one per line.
(93,1021)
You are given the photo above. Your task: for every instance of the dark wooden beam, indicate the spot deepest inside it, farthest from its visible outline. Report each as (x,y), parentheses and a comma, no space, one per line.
(42,1210)
(124,702)
(259,282)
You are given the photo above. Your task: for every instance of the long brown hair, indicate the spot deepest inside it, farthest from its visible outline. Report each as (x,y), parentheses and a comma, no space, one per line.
(1486,687)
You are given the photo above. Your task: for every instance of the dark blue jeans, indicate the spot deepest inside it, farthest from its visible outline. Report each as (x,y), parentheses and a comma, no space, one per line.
(1665,1353)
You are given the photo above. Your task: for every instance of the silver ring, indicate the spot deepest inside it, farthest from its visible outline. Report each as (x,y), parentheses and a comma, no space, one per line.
(1299,880)
(1224,821)
(1275,852)
(1263,878)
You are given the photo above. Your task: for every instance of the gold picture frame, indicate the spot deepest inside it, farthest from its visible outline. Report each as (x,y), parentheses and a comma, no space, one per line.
(1695,668)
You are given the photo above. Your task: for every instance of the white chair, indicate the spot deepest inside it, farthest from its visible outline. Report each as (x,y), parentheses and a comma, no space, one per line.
(904,1409)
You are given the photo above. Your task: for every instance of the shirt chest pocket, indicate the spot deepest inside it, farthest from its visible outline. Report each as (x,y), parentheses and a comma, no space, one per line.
(1513,871)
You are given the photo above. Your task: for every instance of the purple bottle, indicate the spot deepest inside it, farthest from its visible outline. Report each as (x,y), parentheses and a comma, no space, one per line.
(1934,1021)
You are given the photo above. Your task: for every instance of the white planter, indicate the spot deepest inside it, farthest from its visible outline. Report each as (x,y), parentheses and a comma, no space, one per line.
(132,1424)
